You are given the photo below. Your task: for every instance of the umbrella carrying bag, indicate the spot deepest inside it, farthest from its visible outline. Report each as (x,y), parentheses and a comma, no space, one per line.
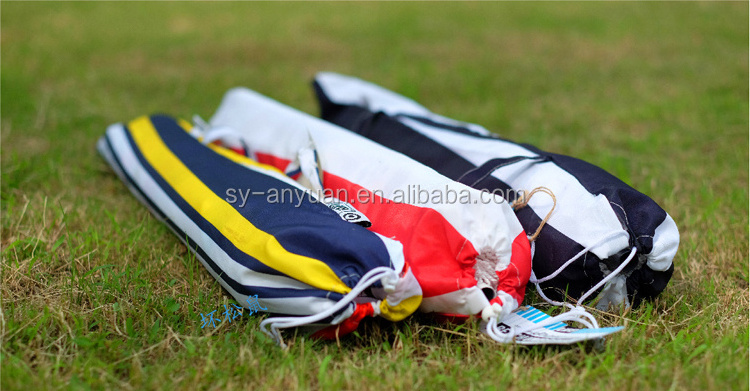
(602,233)
(303,261)
(471,258)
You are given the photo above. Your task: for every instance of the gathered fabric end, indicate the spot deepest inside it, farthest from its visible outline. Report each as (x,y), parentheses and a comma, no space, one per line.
(484,271)
(272,326)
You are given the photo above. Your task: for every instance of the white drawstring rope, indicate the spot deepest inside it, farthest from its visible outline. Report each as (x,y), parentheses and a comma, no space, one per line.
(207,134)
(386,274)
(577,313)
(571,260)
(200,126)
(607,278)
(213,134)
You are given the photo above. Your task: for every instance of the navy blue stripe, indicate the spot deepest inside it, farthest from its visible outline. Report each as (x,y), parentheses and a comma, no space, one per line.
(645,283)
(301,226)
(639,214)
(395,135)
(399,137)
(449,127)
(262,292)
(236,254)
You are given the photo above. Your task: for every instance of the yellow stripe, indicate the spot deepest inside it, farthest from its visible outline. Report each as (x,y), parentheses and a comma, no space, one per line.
(237,158)
(243,234)
(185,125)
(399,312)
(228,153)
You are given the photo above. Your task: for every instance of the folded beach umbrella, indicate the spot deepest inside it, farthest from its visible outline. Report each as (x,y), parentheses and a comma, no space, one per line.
(467,249)
(601,233)
(302,260)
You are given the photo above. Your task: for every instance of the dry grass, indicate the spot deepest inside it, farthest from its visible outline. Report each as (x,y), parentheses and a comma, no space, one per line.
(97,294)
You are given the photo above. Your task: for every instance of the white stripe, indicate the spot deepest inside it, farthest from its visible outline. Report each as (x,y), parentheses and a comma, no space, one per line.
(303,306)
(574,203)
(665,242)
(395,251)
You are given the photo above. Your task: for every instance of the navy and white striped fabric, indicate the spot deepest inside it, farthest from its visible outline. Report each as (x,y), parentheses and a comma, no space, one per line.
(597,216)
(299,257)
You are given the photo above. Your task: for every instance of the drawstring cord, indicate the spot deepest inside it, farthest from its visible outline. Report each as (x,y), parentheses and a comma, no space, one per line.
(524,201)
(388,276)
(207,133)
(588,293)
(537,281)
(217,134)
(576,313)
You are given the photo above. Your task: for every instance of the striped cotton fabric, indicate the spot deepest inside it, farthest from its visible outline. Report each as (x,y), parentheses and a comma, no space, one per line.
(299,258)
(596,214)
(469,257)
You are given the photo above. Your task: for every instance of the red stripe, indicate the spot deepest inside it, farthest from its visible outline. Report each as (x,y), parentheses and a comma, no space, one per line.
(513,279)
(238,150)
(441,258)
(348,325)
(272,160)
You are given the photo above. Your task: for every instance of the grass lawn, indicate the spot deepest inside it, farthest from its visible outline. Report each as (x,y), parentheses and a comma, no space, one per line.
(97,294)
